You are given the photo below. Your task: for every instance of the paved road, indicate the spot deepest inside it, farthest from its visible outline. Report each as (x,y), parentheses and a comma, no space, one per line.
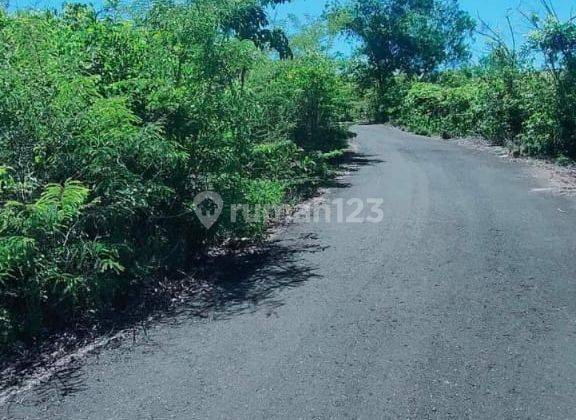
(460,304)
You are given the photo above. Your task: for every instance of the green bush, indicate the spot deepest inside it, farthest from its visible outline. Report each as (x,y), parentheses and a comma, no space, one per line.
(503,101)
(307,92)
(506,99)
(434,108)
(540,133)
(111,124)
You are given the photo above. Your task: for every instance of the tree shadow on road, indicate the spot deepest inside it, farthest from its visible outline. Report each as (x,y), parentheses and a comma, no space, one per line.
(225,285)
(248,282)
(349,163)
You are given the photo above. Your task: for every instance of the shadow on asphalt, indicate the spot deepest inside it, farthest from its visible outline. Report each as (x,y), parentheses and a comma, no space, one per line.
(250,282)
(228,286)
(349,163)
(225,285)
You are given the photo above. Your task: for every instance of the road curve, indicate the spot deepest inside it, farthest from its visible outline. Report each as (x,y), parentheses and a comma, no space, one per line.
(461,303)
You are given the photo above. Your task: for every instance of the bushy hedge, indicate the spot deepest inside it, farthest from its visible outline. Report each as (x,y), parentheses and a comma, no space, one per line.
(433,108)
(110,124)
(507,99)
(519,110)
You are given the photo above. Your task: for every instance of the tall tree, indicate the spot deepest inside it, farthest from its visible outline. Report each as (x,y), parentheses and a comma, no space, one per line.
(250,21)
(409,36)
(555,40)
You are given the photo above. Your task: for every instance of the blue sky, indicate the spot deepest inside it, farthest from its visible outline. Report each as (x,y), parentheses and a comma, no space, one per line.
(492,11)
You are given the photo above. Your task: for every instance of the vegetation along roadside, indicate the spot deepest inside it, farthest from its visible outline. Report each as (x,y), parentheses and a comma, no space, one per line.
(112,121)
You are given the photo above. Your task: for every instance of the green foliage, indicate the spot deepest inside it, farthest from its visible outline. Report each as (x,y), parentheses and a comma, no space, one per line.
(111,124)
(37,243)
(249,21)
(505,99)
(435,108)
(555,41)
(413,37)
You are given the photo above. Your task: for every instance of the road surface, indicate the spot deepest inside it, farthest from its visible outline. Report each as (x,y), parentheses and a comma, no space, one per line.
(461,303)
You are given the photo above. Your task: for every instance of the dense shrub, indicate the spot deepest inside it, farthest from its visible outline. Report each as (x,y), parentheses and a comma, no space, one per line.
(500,102)
(304,95)
(110,124)
(431,108)
(529,108)
(524,98)
(522,111)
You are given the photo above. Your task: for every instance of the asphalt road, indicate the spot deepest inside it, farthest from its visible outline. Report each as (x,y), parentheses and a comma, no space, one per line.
(461,303)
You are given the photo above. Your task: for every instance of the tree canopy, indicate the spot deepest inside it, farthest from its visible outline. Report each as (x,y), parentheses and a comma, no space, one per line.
(250,22)
(410,36)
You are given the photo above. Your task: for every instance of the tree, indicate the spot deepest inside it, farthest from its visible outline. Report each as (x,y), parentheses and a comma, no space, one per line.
(250,21)
(556,41)
(409,36)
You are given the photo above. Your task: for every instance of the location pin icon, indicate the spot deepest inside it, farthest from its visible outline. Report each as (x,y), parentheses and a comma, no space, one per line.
(207,217)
